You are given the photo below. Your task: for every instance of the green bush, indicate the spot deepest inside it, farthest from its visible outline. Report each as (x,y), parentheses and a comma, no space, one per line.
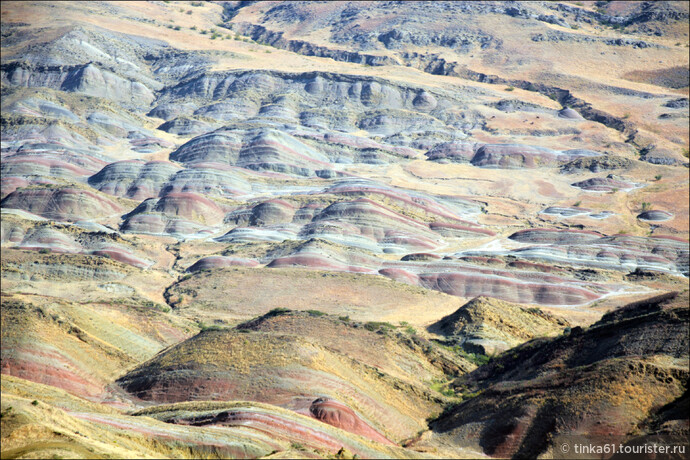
(316,313)
(297,446)
(374,326)
(210,327)
(439,385)
(476,358)
(277,312)
(466,396)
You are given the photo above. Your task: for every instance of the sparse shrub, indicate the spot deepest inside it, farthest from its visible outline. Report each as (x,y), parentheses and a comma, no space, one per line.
(204,32)
(375,326)
(345,319)
(214,36)
(156,306)
(476,358)
(658,177)
(574,27)
(408,328)
(210,327)
(177,27)
(686,153)
(646,205)
(510,88)
(316,313)
(467,396)
(193,28)
(297,446)
(44,251)
(277,312)
(34,403)
(439,385)
(447,392)
(577,204)
(189,11)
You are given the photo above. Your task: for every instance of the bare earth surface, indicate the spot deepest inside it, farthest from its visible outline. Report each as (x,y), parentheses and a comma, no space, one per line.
(342,229)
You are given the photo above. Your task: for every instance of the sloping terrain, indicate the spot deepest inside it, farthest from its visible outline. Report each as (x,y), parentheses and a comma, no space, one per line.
(196,430)
(488,326)
(298,359)
(604,380)
(299,225)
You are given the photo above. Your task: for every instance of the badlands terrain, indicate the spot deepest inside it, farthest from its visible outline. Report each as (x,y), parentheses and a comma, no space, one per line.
(342,229)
